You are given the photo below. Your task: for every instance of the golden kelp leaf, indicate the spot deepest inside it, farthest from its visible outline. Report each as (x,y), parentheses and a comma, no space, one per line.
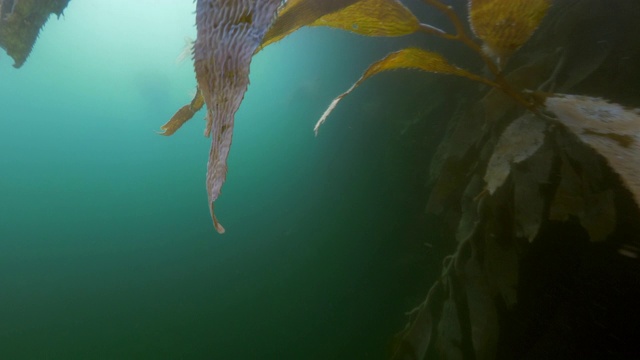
(505,25)
(409,58)
(364,17)
(295,14)
(373,18)
(183,115)
(608,128)
(521,139)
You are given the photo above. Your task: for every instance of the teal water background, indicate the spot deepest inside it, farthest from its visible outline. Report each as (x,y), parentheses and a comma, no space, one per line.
(107,250)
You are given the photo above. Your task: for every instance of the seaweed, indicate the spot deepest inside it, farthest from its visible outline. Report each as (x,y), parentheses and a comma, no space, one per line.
(21,22)
(520,161)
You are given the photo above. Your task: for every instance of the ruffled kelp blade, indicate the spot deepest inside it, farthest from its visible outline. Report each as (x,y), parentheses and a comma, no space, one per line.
(364,17)
(229,32)
(409,58)
(183,115)
(505,25)
(610,129)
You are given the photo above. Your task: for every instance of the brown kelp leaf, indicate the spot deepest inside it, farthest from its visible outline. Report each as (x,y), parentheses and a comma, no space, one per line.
(183,115)
(469,219)
(608,128)
(599,216)
(483,317)
(521,139)
(364,17)
(500,266)
(449,329)
(528,199)
(575,196)
(295,14)
(504,26)
(409,58)
(229,32)
(568,199)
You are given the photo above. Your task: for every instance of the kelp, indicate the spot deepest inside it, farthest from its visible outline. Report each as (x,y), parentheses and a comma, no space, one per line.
(504,26)
(610,129)
(373,18)
(529,180)
(517,160)
(364,17)
(21,22)
(228,35)
(521,139)
(183,115)
(532,158)
(295,14)
(582,192)
(410,58)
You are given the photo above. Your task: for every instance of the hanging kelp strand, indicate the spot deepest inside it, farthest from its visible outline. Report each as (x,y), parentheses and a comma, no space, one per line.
(229,32)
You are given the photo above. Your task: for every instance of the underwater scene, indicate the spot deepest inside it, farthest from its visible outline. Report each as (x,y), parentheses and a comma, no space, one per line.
(319,179)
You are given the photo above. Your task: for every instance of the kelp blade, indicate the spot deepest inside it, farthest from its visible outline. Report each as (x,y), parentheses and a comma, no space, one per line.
(521,139)
(183,115)
(409,58)
(373,18)
(295,14)
(610,129)
(229,32)
(505,25)
(364,17)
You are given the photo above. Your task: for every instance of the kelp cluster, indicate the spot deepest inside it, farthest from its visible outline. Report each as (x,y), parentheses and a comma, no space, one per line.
(526,157)
(510,176)
(20,24)
(231,32)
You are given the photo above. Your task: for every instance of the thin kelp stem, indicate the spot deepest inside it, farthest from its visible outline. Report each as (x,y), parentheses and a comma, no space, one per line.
(465,38)
(448,10)
(432,30)
(462,35)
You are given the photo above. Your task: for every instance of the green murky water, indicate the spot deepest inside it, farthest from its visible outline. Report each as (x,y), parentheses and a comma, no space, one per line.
(107,250)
